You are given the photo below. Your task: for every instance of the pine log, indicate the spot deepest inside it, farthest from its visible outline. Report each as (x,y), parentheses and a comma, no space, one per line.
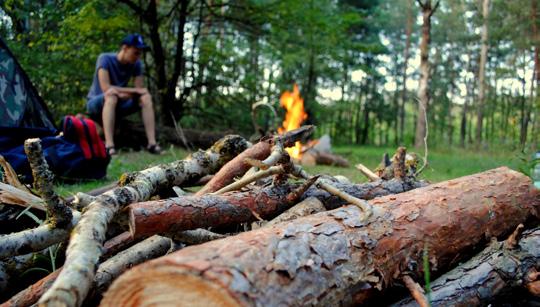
(494,270)
(332,258)
(85,245)
(192,212)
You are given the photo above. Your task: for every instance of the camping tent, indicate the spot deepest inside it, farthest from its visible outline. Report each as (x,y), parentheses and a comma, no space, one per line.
(23,115)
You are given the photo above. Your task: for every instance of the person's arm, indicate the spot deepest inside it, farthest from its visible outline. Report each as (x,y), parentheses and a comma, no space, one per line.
(139,85)
(123,92)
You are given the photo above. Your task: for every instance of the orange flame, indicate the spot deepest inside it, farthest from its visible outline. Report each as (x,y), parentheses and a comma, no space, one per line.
(294,104)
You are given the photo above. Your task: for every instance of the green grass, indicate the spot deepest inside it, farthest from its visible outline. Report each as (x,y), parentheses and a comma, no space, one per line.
(443,164)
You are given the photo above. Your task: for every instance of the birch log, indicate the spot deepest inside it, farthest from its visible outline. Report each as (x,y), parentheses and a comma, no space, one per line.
(332,258)
(85,246)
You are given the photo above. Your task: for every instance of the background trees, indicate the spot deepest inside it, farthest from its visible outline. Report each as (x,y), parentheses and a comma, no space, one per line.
(357,63)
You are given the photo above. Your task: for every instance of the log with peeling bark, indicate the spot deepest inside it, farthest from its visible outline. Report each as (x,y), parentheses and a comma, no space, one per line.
(496,269)
(191,212)
(335,258)
(84,249)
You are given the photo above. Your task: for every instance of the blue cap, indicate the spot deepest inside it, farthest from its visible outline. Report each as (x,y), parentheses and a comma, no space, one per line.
(135,40)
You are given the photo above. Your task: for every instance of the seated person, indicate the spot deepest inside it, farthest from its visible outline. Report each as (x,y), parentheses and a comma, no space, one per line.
(110,95)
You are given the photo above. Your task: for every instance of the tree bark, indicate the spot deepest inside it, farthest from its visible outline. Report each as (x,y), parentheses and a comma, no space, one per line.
(335,258)
(482,72)
(478,281)
(425,74)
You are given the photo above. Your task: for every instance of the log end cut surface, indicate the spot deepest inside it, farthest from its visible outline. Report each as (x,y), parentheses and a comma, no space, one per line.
(164,286)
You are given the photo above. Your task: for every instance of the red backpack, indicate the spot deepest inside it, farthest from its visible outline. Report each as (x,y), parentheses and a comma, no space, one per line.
(83,131)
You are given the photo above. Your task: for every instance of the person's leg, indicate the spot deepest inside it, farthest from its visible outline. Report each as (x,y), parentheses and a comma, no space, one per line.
(109,116)
(149,121)
(94,108)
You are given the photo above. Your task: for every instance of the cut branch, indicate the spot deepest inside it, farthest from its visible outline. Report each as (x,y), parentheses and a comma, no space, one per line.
(191,212)
(58,213)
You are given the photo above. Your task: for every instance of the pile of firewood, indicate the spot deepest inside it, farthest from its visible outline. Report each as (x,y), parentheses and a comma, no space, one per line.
(262,231)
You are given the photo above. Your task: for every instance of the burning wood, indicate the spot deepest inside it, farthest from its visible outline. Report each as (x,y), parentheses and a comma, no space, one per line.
(316,151)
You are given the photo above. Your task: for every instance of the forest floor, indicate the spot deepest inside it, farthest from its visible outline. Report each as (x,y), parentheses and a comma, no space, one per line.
(444,164)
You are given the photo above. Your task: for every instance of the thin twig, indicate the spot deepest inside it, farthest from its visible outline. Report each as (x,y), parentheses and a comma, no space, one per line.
(367,172)
(362,204)
(274,170)
(416,291)
(513,239)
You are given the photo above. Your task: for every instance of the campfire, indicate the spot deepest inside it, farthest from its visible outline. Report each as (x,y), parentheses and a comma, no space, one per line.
(315,151)
(295,116)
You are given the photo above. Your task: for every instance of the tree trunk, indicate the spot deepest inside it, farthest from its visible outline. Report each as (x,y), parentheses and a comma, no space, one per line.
(336,257)
(423,88)
(482,73)
(536,102)
(408,31)
(478,281)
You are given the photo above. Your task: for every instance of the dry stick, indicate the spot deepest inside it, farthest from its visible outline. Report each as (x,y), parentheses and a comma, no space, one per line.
(360,203)
(62,219)
(35,239)
(416,291)
(149,248)
(306,207)
(84,249)
(274,170)
(58,213)
(367,172)
(195,236)
(322,259)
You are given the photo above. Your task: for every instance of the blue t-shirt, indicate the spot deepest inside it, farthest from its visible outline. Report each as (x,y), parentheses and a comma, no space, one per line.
(119,73)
